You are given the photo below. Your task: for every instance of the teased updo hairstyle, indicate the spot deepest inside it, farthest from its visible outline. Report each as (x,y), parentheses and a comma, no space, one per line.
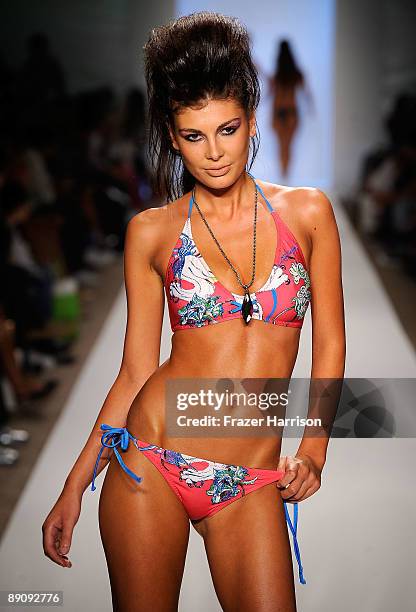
(193,59)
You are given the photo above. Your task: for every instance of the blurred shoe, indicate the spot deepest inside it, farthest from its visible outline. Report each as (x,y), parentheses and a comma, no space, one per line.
(32,410)
(34,359)
(387,261)
(8,435)
(38,393)
(50,346)
(51,361)
(32,368)
(87,278)
(8,456)
(65,359)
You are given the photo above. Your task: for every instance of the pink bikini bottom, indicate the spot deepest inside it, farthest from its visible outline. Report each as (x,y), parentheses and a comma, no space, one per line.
(204,487)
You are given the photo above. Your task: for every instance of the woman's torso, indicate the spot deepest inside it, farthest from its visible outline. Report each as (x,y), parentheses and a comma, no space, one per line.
(231,348)
(285,94)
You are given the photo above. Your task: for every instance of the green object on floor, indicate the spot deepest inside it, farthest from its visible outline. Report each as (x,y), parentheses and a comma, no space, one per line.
(67,306)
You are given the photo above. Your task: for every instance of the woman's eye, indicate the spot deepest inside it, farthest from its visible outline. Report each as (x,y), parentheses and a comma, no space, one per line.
(233,129)
(227,131)
(190,138)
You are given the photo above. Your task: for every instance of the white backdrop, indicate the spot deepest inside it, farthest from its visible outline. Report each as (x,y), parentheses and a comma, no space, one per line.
(304,25)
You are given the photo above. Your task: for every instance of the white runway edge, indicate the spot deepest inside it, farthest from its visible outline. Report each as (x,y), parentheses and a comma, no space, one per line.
(356,533)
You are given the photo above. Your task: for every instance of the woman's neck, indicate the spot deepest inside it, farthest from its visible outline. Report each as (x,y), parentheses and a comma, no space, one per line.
(226,204)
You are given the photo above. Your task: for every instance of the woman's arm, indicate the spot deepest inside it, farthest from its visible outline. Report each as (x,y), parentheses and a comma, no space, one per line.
(328,324)
(145,306)
(305,89)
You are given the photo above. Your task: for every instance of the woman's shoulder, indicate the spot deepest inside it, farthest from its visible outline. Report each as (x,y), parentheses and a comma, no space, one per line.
(156,218)
(309,200)
(303,208)
(150,227)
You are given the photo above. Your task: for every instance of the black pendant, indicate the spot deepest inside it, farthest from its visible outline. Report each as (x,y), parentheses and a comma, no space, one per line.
(247,308)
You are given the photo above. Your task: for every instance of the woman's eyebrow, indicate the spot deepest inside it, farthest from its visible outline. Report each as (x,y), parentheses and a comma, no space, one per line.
(200,132)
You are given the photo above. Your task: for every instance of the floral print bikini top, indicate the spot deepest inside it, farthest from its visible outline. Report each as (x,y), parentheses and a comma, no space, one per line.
(196,298)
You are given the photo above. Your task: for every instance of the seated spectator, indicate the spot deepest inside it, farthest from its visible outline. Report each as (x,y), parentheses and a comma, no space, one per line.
(27,285)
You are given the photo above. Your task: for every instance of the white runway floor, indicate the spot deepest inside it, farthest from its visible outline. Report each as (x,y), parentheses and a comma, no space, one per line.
(356,535)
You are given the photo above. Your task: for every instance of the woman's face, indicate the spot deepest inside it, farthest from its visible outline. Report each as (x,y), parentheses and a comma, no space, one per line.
(214,141)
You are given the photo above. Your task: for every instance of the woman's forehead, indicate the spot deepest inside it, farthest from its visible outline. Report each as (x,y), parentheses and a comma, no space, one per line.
(210,114)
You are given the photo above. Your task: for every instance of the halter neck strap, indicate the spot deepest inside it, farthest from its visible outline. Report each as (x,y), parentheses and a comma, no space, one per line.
(191,201)
(260,190)
(269,206)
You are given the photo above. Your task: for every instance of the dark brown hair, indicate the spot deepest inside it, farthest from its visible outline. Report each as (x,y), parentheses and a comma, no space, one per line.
(287,71)
(195,58)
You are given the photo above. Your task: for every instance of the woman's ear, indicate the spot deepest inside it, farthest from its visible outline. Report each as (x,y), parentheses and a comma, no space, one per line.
(252,124)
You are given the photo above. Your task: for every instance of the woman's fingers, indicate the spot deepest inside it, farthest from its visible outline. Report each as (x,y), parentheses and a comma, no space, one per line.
(52,536)
(59,525)
(291,466)
(65,540)
(300,480)
(293,483)
(299,493)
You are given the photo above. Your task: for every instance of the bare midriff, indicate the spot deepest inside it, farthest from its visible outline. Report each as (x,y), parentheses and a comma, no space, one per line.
(285,95)
(229,349)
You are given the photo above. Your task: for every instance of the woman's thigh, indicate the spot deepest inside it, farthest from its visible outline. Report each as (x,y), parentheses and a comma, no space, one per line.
(249,554)
(145,531)
(287,127)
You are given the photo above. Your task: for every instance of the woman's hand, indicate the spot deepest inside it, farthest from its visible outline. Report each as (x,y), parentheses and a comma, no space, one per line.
(59,524)
(302,477)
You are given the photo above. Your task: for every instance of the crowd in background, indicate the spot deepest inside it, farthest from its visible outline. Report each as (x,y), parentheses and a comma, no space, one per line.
(386,203)
(72,174)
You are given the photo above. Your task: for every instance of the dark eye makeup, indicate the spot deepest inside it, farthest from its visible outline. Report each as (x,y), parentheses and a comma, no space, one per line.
(233,128)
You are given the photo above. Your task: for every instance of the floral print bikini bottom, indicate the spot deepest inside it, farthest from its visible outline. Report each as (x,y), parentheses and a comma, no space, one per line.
(204,487)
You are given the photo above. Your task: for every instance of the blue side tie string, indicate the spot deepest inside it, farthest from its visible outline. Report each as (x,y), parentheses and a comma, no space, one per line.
(293,529)
(111,438)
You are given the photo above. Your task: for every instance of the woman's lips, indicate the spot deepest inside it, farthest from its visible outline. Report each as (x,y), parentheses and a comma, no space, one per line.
(219,172)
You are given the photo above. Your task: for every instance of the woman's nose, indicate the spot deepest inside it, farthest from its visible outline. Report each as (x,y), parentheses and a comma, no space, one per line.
(214,151)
